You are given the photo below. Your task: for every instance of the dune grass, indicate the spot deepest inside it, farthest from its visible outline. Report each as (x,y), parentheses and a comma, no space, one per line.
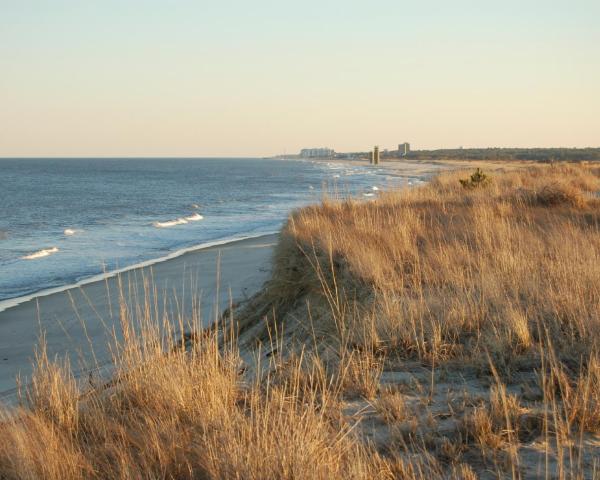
(447,272)
(445,331)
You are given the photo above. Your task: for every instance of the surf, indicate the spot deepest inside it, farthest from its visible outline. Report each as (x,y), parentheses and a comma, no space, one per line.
(40,253)
(170,223)
(178,221)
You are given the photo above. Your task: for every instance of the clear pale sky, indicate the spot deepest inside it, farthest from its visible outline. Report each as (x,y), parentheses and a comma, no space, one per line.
(242,78)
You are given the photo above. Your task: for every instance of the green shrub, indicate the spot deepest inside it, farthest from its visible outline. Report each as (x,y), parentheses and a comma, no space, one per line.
(476,180)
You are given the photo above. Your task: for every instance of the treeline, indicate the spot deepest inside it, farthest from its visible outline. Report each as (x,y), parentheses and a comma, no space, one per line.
(536,154)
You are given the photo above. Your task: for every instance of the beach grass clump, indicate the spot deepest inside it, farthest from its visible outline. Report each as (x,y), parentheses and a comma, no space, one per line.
(173,412)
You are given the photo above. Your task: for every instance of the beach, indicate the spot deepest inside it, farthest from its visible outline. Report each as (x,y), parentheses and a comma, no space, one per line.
(80,317)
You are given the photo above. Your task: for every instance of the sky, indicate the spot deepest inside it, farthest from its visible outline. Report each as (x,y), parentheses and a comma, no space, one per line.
(257,78)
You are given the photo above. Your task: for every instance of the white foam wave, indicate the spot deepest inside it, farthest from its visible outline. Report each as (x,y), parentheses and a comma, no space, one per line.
(40,253)
(179,221)
(195,205)
(369,194)
(170,223)
(374,188)
(69,231)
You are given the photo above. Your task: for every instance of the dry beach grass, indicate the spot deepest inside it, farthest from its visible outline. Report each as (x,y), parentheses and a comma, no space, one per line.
(446,331)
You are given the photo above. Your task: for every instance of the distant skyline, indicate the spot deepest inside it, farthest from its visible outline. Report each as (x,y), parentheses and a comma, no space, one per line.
(235,78)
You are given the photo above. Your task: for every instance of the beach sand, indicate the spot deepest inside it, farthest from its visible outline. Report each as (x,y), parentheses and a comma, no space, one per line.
(74,319)
(428,168)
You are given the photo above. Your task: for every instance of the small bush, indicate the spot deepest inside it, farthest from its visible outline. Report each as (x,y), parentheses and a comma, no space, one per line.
(476,180)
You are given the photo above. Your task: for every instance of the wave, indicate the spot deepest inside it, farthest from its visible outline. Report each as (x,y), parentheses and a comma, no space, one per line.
(375,188)
(178,221)
(40,253)
(170,223)
(69,231)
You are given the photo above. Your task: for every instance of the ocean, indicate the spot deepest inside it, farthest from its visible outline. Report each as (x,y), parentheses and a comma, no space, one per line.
(64,221)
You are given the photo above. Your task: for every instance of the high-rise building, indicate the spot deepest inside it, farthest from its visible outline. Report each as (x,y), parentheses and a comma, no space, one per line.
(403,149)
(375,155)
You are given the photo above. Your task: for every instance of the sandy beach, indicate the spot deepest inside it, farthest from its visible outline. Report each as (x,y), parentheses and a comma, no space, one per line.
(74,319)
(427,168)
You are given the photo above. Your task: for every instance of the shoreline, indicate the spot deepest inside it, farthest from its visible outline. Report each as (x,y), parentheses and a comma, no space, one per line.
(9,303)
(430,166)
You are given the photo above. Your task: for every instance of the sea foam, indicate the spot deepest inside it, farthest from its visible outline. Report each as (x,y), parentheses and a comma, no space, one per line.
(69,231)
(178,221)
(41,253)
(170,223)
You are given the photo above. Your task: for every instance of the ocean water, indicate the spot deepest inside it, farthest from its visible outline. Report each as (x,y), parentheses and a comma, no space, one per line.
(66,220)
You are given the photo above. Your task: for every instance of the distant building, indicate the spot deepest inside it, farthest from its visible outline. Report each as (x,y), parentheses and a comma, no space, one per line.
(404,149)
(375,156)
(317,152)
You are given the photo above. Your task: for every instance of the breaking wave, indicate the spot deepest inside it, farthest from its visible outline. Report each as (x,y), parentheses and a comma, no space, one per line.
(178,221)
(40,253)
(170,223)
